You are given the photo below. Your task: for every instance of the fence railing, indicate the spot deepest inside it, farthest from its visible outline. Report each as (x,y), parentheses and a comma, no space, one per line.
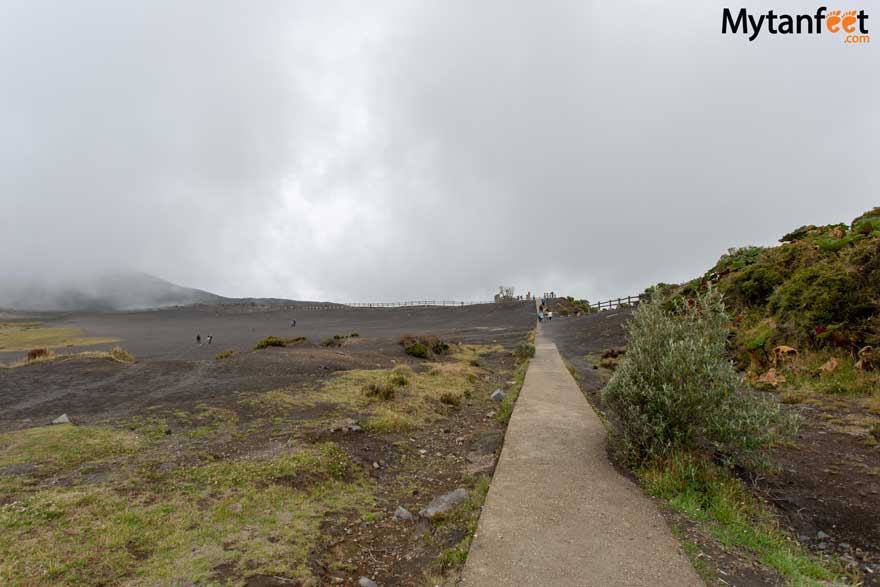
(616,303)
(407,304)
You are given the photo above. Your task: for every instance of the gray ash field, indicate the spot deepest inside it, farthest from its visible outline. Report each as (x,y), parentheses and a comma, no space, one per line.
(172,368)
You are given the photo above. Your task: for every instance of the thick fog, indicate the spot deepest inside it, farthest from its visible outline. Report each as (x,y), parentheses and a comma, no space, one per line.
(408,150)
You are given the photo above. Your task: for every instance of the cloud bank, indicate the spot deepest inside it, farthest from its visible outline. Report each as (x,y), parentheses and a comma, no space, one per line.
(417,149)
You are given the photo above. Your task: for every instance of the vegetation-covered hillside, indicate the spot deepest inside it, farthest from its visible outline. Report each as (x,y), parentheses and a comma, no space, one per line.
(807,308)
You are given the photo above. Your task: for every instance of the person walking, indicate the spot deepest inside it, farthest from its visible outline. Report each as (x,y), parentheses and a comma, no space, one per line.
(210,339)
(540,316)
(549,315)
(199,339)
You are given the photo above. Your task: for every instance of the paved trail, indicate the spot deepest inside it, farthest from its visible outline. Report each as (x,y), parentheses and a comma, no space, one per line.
(558,513)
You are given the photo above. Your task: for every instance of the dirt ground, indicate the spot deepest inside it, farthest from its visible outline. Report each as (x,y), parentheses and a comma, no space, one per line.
(825,487)
(197,415)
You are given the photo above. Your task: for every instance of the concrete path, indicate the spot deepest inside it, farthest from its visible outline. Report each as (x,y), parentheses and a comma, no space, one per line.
(557,512)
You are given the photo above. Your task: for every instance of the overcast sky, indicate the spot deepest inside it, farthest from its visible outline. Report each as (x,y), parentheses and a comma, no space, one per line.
(398,150)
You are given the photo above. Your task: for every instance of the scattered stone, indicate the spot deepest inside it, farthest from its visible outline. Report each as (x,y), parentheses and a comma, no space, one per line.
(345,425)
(498,395)
(822,545)
(443,503)
(62,419)
(401,513)
(367,582)
(423,451)
(375,465)
(844,546)
(822,535)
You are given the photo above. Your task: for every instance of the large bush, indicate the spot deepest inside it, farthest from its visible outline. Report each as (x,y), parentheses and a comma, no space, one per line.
(677,389)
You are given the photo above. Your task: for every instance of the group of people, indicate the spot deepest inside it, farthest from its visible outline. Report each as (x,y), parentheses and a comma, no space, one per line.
(544,313)
(208,339)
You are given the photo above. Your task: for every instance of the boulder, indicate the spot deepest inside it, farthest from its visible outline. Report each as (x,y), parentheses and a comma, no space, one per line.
(401,513)
(498,395)
(62,419)
(443,503)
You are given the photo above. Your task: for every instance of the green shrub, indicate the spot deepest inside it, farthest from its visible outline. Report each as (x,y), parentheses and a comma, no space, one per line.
(416,349)
(354,335)
(423,345)
(868,223)
(524,350)
(821,295)
(676,389)
(270,341)
(224,355)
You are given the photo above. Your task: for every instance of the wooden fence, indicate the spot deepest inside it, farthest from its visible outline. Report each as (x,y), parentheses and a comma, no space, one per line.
(616,303)
(408,304)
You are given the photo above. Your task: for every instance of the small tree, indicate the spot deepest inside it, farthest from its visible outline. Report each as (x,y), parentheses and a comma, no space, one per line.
(676,388)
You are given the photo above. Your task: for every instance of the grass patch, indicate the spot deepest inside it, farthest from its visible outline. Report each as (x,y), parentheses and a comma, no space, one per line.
(224,355)
(251,517)
(117,353)
(505,410)
(408,398)
(26,336)
(274,341)
(725,508)
(65,445)
(387,421)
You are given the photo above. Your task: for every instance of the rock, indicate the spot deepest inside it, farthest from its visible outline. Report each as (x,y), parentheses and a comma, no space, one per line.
(62,419)
(498,395)
(844,546)
(345,425)
(822,545)
(822,535)
(443,503)
(830,366)
(401,513)
(367,582)
(375,465)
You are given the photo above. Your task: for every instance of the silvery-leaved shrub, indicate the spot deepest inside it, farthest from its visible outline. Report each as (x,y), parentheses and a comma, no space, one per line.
(677,389)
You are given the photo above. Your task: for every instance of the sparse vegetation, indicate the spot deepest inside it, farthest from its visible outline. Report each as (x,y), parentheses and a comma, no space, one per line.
(24,336)
(524,350)
(270,341)
(121,355)
(423,346)
(224,355)
(379,389)
(723,506)
(273,341)
(117,353)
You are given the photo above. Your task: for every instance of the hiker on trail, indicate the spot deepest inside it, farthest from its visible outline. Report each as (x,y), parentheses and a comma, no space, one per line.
(540,316)
(549,315)
(210,339)
(293,323)
(198,339)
